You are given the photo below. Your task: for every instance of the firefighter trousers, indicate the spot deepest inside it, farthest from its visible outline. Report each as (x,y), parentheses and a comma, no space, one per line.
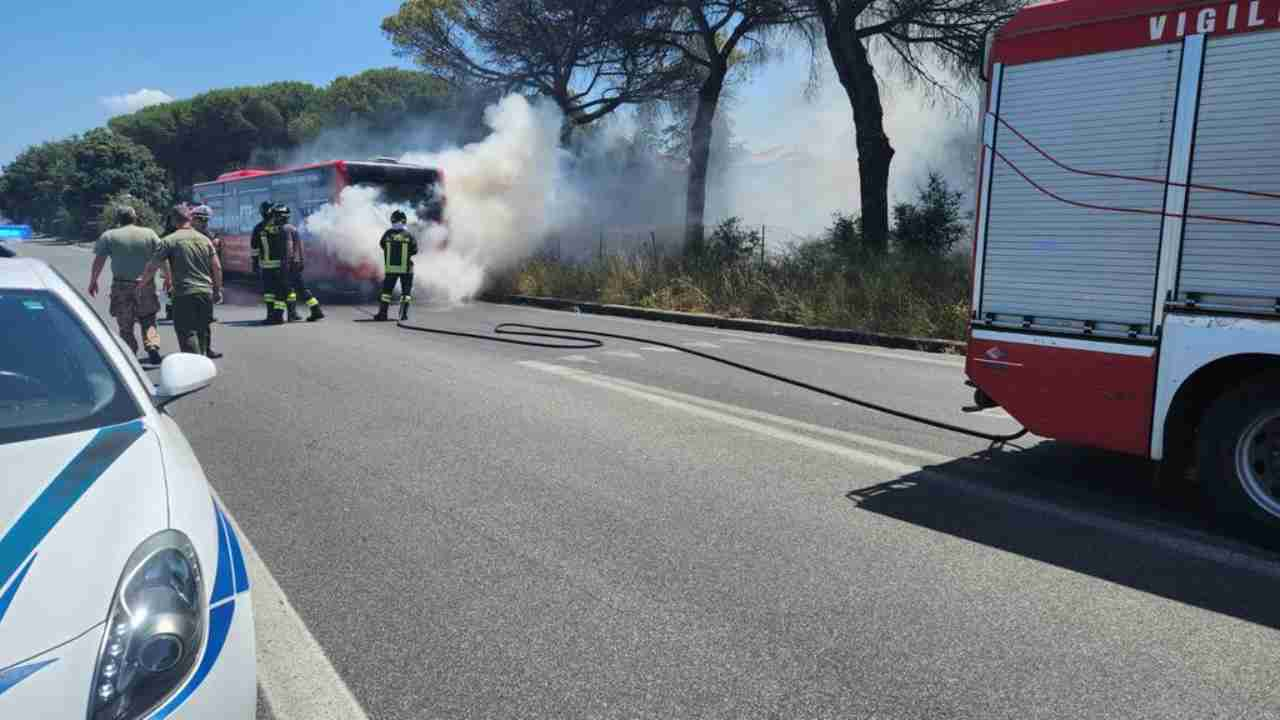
(275,289)
(298,288)
(406,287)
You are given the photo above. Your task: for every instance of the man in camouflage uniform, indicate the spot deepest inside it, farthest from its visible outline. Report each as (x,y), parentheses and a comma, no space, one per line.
(197,281)
(200,216)
(133,294)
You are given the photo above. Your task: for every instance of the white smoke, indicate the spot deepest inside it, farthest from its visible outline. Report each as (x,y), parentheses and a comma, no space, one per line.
(803,165)
(504,194)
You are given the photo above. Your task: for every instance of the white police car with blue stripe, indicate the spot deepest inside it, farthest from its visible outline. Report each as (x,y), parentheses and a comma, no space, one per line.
(123,589)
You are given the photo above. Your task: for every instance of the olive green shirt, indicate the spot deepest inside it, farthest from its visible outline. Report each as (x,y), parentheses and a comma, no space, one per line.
(190,255)
(130,248)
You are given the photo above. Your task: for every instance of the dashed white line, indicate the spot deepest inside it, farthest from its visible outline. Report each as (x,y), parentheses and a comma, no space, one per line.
(655,348)
(580,359)
(296,676)
(698,344)
(624,354)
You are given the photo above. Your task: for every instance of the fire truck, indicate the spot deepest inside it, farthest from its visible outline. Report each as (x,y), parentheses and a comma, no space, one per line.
(1126,285)
(235,198)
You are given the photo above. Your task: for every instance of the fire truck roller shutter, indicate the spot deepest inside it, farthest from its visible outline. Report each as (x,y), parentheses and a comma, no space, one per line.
(1235,147)
(1109,112)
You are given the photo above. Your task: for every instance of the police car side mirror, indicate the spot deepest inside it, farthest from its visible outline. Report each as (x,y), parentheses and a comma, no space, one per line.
(182,374)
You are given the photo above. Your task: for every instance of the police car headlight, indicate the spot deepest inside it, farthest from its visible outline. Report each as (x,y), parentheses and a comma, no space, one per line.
(154,631)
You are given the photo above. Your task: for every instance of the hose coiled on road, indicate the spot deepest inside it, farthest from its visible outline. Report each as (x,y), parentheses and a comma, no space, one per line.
(579,339)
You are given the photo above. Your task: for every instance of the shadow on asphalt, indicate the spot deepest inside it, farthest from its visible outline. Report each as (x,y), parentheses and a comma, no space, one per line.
(987,505)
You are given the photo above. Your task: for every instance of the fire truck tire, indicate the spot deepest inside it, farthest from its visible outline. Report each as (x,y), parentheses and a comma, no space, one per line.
(1239,452)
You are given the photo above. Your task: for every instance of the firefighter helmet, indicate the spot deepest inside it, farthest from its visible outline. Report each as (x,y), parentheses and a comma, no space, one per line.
(281,211)
(202,212)
(265,209)
(398,217)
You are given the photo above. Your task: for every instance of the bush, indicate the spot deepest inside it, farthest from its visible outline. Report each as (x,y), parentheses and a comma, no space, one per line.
(106,218)
(933,224)
(811,284)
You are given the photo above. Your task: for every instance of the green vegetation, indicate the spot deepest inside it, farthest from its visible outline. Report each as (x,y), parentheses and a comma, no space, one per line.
(155,154)
(835,280)
(61,187)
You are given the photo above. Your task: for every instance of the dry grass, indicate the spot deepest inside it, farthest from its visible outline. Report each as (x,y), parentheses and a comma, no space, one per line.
(924,297)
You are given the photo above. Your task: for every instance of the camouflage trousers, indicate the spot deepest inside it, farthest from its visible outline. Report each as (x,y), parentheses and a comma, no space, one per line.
(133,305)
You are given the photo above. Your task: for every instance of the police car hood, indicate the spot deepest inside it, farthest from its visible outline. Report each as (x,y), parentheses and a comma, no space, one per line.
(72,510)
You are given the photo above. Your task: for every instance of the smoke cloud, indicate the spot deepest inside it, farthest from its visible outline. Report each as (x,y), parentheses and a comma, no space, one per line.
(505,195)
(804,162)
(791,165)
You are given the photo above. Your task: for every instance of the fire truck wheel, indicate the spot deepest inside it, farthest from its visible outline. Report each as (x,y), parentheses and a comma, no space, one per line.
(1240,452)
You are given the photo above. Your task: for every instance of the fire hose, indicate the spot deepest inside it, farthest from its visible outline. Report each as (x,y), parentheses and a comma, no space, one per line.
(579,339)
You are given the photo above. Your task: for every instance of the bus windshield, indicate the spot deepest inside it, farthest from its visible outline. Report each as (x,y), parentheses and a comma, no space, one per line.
(411,185)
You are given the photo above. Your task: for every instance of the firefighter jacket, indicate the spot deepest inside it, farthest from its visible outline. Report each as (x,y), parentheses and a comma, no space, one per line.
(398,248)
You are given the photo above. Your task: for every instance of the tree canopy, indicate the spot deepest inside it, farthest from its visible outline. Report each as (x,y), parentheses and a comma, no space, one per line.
(911,33)
(62,186)
(582,54)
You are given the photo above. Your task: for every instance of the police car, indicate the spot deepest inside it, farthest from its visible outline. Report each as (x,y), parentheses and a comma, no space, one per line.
(123,589)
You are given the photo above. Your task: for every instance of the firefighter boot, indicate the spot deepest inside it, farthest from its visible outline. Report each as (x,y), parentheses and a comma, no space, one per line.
(404,310)
(316,314)
(293,313)
(276,316)
(382,311)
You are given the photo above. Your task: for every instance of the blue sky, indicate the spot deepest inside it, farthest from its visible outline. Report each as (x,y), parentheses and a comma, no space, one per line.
(61,58)
(65,60)
(71,65)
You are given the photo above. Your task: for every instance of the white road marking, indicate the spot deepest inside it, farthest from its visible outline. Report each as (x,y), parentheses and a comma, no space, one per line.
(586,378)
(699,345)
(580,359)
(1163,535)
(736,341)
(911,355)
(849,437)
(655,348)
(296,676)
(624,354)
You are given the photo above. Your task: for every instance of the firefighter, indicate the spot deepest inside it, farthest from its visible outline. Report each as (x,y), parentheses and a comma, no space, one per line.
(133,298)
(270,245)
(398,248)
(295,260)
(255,244)
(200,223)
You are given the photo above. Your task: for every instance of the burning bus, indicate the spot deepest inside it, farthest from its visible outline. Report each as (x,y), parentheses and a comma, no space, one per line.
(235,198)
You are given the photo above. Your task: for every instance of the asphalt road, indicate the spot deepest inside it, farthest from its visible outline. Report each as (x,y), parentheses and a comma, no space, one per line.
(478,530)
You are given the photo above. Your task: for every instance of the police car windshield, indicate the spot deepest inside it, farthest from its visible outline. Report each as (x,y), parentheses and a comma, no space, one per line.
(53,378)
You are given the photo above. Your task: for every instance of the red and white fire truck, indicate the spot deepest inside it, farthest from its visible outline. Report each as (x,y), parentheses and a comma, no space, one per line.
(1126,289)
(235,198)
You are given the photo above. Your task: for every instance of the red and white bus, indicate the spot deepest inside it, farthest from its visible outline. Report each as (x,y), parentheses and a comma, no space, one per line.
(235,198)
(1126,288)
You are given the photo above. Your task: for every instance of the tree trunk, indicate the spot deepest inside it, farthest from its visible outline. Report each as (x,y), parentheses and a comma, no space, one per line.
(853,67)
(699,160)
